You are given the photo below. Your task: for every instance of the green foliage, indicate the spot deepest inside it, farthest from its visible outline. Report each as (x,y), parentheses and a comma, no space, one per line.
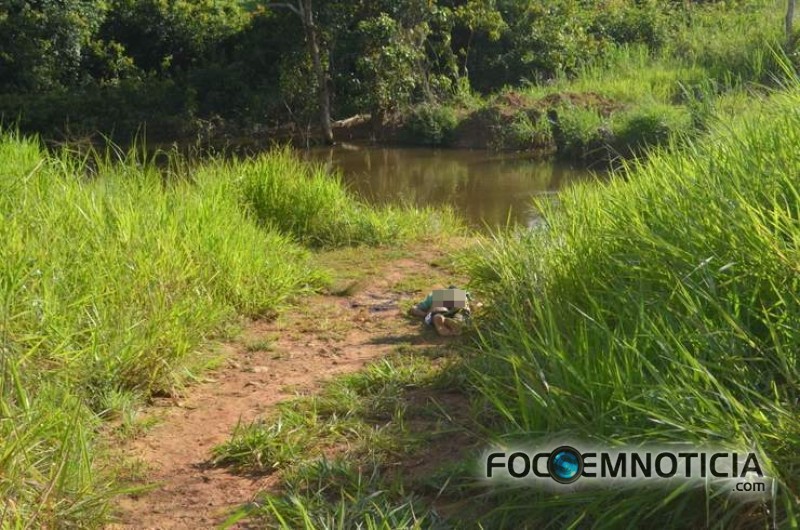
(431,124)
(581,132)
(113,273)
(42,43)
(536,41)
(313,206)
(648,23)
(661,306)
(527,130)
(246,64)
(649,126)
(45,443)
(481,15)
(159,109)
(733,45)
(361,501)
(109,285)
(390,55)
(164,35)
(155,269)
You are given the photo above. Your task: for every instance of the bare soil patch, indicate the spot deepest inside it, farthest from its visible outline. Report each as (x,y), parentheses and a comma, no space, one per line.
(324,336)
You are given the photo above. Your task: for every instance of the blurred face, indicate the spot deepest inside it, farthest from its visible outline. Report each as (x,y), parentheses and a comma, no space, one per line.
(450,298)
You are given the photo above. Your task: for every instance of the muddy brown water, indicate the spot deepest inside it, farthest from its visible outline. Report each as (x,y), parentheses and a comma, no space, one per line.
(486,188)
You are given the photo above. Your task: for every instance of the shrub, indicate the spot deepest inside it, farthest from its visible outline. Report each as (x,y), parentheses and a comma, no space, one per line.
(648,126)
(641,24)
(526,130)
(162,108)
(430,124)
(580,132)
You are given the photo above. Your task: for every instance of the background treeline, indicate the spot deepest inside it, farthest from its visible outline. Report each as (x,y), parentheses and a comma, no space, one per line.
(184,68)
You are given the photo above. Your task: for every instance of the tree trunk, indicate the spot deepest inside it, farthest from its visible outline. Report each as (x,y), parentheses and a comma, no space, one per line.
(323,98)
(789,21)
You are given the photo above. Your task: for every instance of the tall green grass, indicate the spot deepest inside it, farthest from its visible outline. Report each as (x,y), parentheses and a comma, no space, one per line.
(713,53)
(314,206)
(662,306)
(714,42)
(110,279)
(733,44)
(113,272)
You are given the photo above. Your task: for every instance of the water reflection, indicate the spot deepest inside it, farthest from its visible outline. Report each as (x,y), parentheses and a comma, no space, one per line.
(486,188)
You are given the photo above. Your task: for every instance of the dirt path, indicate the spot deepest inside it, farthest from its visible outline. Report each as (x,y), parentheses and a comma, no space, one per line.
(271,362)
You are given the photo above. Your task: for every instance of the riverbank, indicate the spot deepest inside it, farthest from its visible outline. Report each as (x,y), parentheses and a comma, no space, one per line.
(115,274)
(631,100)
(659,308)
(318,384)
(657,73)
(592,328)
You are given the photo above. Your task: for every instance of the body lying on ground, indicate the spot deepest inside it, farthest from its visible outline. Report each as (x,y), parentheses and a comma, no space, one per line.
(447,310)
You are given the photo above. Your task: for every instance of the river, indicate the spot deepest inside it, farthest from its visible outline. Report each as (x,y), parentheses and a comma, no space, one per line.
(488,189)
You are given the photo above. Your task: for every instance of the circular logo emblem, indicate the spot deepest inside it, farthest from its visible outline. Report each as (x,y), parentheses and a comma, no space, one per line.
(565,464)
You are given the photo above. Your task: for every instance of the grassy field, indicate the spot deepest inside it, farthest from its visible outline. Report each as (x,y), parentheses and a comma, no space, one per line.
(114,276)
(660,307)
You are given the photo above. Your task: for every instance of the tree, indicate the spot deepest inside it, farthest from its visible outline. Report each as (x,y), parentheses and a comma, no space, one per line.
(304,9)
(162,37)
(389,63)
(479,15)
(789,20)
(43,43)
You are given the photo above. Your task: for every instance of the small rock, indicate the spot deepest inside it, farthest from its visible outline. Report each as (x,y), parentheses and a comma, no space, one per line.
(261,369)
